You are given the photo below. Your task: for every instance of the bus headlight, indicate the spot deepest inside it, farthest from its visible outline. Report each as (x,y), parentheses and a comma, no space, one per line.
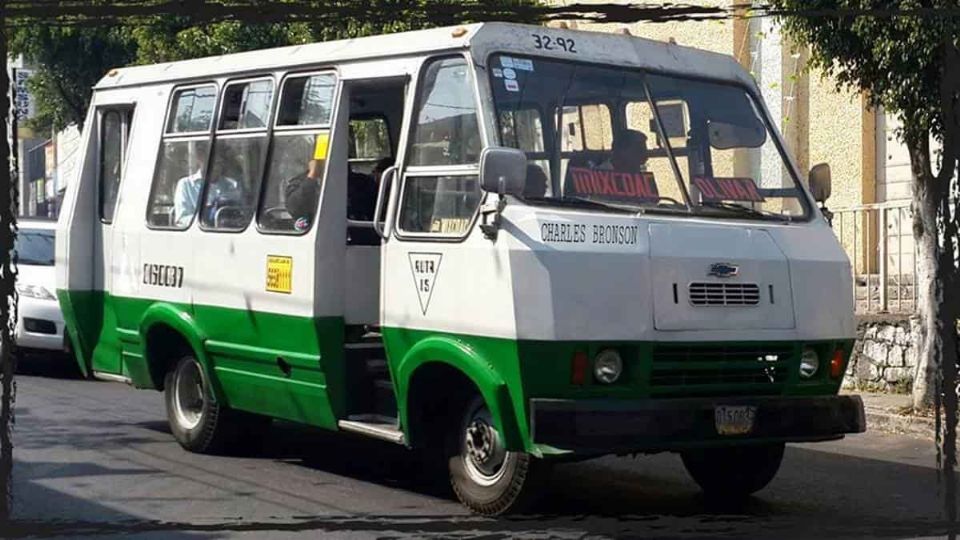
(809,363)
(607,366)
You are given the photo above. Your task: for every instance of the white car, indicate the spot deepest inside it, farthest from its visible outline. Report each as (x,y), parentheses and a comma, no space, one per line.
(40,325)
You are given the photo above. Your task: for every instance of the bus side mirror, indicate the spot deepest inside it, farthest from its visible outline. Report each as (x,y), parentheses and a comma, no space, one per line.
(503,170)
(819,181)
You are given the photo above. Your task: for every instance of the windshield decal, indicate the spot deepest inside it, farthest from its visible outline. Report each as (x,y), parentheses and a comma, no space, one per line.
(728,189)
(523,64)
(613,185)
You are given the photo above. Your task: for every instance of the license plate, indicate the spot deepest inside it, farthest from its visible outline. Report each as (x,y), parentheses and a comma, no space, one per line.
(734,420)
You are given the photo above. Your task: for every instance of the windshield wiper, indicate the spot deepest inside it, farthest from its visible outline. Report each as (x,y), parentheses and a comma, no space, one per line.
(745,210)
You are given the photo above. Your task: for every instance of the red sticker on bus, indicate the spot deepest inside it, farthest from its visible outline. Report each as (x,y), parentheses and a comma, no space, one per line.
(715,189)
(613,185)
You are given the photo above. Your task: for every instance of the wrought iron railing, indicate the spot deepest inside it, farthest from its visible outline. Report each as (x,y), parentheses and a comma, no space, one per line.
(878,238)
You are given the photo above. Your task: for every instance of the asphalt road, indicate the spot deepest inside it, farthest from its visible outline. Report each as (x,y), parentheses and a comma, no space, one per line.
(97,458)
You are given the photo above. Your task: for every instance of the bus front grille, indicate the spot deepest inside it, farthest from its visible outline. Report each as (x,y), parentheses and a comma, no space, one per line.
(724,294)
(727,370)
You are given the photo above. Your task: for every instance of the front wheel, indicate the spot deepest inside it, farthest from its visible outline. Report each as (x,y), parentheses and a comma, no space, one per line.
(734,471)
(486,477)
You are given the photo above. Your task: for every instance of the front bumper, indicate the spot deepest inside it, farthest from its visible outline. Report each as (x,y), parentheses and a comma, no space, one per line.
(604,426)
(46,329)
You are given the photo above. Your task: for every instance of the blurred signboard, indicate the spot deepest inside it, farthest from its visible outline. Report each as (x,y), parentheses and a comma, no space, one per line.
(23,102)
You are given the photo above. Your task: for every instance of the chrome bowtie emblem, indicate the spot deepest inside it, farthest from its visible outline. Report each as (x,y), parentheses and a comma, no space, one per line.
(723,270)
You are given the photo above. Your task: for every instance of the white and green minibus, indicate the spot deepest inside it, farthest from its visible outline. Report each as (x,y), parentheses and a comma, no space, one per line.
(506,245)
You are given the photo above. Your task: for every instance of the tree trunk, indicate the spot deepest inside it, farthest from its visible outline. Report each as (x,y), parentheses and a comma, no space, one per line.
(929,295)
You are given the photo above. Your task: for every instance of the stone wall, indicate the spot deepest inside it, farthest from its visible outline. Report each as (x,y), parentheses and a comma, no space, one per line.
(885,355)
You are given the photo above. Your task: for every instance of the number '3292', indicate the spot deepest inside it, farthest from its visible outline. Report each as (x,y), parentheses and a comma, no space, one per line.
(548,43)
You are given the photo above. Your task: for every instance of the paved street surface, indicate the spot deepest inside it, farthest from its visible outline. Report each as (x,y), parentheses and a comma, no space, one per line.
(96,458)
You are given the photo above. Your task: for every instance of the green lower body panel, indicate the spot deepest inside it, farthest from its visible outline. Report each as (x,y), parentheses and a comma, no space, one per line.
(293,367)
(279,365)
(652,371)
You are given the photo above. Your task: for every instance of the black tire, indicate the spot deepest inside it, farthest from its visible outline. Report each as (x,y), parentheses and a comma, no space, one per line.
(733,472)
(515,485)
(200,424)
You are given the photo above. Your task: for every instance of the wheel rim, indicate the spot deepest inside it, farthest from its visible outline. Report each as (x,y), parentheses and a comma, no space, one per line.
(485,459)
(188,395)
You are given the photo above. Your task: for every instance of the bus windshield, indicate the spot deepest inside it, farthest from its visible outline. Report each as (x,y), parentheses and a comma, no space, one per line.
(635,141)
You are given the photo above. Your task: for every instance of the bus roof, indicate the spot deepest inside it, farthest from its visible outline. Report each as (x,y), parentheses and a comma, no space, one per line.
(482,38)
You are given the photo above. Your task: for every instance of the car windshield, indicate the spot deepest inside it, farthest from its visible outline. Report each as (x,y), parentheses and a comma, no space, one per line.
(35,246)
(626,139)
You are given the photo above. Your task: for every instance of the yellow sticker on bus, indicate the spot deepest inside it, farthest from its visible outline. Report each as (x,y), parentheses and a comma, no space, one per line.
(320,147)
(279,274)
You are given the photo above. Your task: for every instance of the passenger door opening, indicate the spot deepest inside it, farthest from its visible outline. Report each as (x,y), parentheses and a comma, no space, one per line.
(375,118)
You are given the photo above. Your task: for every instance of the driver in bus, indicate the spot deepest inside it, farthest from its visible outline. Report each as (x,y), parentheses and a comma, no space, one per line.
(629,152)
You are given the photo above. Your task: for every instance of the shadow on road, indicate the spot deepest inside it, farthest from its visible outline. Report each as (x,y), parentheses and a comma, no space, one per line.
(47,364)
(75,436)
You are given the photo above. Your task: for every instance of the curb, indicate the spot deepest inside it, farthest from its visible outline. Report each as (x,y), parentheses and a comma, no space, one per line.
(915,426)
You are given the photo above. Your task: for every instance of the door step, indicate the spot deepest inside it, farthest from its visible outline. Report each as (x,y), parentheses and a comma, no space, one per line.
(111,377)
(374,425)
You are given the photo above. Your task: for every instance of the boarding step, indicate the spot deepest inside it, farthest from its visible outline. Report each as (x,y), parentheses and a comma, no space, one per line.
(384,399)
(385,428)
(377,368)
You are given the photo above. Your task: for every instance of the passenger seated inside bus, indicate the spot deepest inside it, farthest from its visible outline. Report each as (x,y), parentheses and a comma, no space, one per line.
(628,155)
(300,194)
(224,199)
(187,192)
(629,152)
(535,186)
(362,191)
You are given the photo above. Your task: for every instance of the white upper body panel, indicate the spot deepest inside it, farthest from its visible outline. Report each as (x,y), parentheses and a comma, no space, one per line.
(482,39)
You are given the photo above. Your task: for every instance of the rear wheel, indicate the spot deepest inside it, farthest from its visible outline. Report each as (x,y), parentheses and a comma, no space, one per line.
(734,471)
(486,477)
(198,422)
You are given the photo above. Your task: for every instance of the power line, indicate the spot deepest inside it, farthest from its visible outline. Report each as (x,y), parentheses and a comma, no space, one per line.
(86,13)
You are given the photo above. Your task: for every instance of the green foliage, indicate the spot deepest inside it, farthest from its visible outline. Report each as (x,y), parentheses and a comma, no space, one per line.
(71,59)
(897,60)
(69,62)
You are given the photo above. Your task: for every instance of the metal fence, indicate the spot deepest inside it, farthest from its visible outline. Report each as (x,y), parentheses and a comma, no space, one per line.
(878,238)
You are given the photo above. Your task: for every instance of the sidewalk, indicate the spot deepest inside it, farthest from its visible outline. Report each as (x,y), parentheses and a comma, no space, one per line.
(892,413)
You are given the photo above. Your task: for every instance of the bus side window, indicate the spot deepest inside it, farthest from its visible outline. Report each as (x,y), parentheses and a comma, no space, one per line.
(114,133)
(438,198)
(181,163)
(239,147)
(298,154)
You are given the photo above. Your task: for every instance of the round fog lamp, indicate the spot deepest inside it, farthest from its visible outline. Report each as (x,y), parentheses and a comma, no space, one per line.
(809,363)
(607,366)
